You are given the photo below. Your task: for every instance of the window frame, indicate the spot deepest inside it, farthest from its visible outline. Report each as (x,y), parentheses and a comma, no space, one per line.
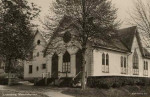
(124,66)
(37,68)
(145,68)
(43,66)
(38,42)
(103,59)
(105,63)
(135,63)
(30,69)
(66,66)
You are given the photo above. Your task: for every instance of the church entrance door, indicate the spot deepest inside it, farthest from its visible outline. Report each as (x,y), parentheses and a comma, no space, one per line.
(55,66)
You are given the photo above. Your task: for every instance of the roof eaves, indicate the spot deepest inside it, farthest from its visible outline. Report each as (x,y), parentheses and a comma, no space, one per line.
(112,49)
(139,43)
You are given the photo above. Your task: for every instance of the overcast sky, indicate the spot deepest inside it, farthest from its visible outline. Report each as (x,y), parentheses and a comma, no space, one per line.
(122,5)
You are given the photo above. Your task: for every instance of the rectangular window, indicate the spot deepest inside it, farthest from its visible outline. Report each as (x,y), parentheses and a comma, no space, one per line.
(30,68)
(66,68)
(43,66)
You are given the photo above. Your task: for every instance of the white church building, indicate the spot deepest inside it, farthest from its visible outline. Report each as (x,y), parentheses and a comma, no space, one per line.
(123,56)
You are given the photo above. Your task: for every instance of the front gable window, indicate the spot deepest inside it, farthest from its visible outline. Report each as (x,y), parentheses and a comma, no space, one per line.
(38,42)
(67,37)
(135,63)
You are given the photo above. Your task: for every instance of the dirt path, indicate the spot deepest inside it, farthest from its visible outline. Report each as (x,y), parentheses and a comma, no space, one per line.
(56,94)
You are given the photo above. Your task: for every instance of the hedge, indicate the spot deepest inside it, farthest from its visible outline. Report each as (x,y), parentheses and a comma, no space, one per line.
(116,81)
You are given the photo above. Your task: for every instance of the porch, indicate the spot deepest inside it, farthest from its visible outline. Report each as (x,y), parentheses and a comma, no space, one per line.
(66,64)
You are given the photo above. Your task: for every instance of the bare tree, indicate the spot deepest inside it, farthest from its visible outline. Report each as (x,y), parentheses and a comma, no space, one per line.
(94,19)
(140,16)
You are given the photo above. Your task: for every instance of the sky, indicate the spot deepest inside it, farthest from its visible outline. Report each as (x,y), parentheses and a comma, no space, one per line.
(123,7)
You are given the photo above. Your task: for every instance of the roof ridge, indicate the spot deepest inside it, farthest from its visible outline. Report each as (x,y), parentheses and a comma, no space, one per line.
(128,28)
(37,31)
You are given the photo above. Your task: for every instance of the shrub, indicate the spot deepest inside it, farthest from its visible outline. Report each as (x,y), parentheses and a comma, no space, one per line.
(116,81)
(3,81)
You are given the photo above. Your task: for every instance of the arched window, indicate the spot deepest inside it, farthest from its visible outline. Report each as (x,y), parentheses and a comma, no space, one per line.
(121,61)
(105,63)
(66,57)
(145,68)
(135,60)
(38,42)
(125,63)
(66,63)
(135,63)
(107,59)
(103,59)
(146,65)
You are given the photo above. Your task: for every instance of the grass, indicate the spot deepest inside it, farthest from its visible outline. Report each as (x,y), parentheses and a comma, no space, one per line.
(20,91)
(126,91)
(39,91)
(10,93)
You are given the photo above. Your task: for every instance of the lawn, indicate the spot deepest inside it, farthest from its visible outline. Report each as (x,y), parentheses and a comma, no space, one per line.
(9,93)
(126,91)
(42,91)
(19,91)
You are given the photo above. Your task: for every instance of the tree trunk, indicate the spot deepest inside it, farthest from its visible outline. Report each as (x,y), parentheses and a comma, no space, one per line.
(83,83)
(83,46)
(9,79)
(46,81)
(9,72)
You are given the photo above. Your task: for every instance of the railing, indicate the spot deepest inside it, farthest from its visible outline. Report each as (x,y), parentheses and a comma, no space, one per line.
(53,74)
(76,75)
(45,75)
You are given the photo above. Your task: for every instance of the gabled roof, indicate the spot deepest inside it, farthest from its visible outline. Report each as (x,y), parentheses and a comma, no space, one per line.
(113,44)
(126,36)
(146,53)
(64,24)
(122,42)
(36,33)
